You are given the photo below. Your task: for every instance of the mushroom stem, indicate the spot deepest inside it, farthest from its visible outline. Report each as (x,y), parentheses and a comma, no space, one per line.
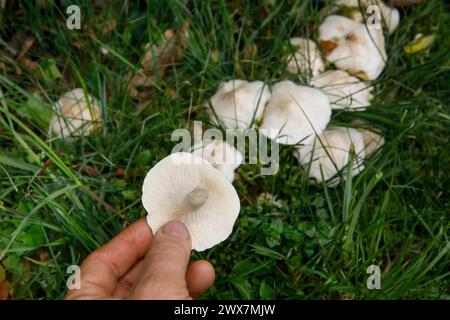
(198,197)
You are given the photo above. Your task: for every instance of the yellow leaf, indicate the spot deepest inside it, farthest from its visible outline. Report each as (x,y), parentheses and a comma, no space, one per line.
(420,43)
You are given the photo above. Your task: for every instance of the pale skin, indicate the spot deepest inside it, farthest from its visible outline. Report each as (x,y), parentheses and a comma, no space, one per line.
(139,265)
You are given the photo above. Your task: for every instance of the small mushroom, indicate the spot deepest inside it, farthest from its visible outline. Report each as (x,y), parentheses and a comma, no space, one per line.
(306,59)
(295,113)
(353,46)
(343,90)
(329,154)
(221,156)
(75,114)
(238,103)
(187,188)
(390,16)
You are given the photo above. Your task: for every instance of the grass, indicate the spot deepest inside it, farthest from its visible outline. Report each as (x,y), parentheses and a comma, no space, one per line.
(59,200)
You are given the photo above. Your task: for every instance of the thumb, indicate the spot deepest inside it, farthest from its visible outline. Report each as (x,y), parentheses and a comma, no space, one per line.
(164,268)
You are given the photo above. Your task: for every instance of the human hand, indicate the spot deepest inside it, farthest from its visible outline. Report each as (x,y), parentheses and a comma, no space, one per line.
(137,265)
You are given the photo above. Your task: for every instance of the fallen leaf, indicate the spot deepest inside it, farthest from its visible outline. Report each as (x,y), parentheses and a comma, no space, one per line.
(328,46)
(250,51)
(28,63)
(109,27)
(156,60)
(17,49)
(120,172)
(44,255)
(90,170)
(44,167)
(214,56)
(26,46)
(420,43)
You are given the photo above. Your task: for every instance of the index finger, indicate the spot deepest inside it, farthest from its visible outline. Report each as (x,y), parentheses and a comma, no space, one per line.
(105,266)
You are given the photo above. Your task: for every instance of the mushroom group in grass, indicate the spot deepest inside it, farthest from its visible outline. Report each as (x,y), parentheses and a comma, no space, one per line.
(353,46)
(187,188)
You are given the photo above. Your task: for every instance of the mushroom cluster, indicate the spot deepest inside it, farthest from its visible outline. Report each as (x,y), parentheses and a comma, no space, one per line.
(298,115)
(353,46)
(196,187)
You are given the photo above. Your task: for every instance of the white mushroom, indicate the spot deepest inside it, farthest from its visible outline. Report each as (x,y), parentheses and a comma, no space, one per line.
(295,113)
(329,154)
(221,156)
(390,16)
(238,103)
(343,90)
(353,46)
(372,141)
(75,114)
(306,59)
(187,188)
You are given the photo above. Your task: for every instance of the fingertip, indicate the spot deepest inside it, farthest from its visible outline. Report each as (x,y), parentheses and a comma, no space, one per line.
(200,276)
(177,229)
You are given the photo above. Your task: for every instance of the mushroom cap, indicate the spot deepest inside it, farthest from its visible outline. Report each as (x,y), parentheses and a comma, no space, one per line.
(238,102)
(343,90)
(306,59)
(330,153)
(390,15)
(372,141)
(335,27)
(74,114)
(221,156)
(353,46)
(295,113)
(187,188)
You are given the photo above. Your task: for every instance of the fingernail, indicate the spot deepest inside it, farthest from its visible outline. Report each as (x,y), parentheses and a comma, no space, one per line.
(177,229)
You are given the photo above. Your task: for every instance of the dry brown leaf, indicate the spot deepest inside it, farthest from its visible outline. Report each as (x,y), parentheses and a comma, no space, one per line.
(26,46)
(17,49)
(108,27)
(44,255)
(156,60)
(90,170)
(46,164)
(328,46)
(120,172)
(28,63)
(250,51)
